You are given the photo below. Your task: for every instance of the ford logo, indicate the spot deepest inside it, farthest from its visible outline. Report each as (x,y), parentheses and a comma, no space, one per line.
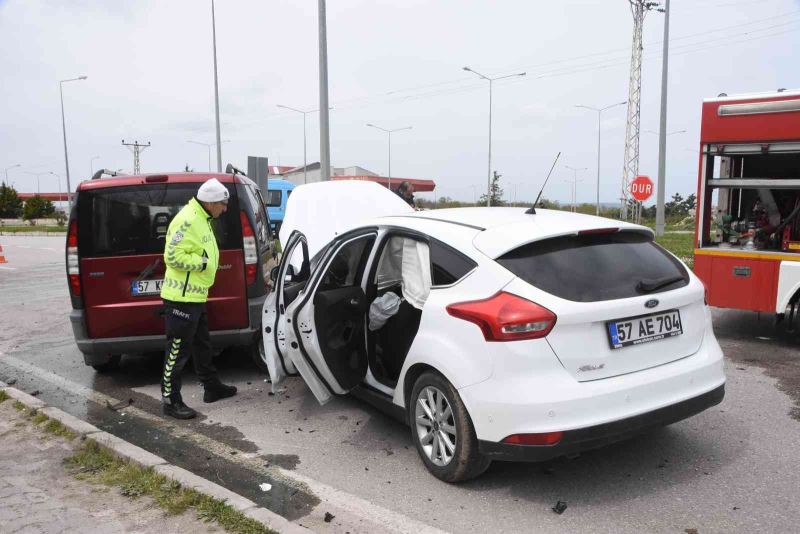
(652,303)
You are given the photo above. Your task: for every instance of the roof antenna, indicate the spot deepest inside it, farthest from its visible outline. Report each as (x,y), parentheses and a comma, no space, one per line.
(532,209)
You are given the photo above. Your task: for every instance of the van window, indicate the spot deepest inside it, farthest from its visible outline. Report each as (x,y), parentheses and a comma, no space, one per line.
(348,264)
(595,267)
(131,220)
(273,198)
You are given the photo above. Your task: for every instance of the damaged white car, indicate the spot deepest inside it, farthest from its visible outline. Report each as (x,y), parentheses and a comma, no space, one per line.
(495,333)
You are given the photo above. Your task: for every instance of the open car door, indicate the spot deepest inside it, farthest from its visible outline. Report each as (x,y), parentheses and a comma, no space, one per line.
(292,275)
(327,325)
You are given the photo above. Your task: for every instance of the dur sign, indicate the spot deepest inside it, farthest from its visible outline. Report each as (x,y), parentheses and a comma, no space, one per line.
(641,188)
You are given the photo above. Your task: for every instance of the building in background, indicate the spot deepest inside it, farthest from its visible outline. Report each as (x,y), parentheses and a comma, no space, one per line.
(311,174)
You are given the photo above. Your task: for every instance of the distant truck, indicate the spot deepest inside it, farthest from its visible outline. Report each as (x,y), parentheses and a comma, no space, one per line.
(275,199)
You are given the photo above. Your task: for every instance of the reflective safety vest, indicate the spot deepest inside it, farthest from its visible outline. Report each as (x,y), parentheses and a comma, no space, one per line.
(190,254)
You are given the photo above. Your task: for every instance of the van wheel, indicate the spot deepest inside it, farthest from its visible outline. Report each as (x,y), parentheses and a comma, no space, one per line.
(110,366)
(258,356)
(442,430)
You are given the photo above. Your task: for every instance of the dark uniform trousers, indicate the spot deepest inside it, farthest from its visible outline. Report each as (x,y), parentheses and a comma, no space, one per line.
(187,335)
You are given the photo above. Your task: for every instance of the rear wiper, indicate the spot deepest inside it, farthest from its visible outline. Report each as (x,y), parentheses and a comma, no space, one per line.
(149,270)
(649,285)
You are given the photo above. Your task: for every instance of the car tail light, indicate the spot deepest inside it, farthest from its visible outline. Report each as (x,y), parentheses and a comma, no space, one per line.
(545,438)
(506,317)
(73,265)
(250,249)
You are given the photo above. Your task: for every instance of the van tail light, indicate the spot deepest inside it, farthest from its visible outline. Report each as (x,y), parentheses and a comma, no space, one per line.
(73,264)
(250,249)
(506,317)
(545,438)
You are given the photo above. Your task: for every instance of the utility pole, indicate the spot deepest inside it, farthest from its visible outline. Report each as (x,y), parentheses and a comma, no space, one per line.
(324,123)
(64,131)
(662,137)
(6,170)
(136,148)
(630,170)
(216,86)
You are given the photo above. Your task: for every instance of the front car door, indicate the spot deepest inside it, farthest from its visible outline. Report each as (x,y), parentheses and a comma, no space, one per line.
(292,275)
(326,330)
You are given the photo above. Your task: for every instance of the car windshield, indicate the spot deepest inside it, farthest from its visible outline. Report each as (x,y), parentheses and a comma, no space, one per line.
(596,267)
(130,220)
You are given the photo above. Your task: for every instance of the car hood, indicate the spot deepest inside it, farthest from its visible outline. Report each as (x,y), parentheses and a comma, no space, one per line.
(323,210)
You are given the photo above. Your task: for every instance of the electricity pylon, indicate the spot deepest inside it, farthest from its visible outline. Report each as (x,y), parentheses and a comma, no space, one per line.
(136,148)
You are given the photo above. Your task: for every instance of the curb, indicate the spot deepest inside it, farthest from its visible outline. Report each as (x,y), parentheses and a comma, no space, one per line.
(139,456)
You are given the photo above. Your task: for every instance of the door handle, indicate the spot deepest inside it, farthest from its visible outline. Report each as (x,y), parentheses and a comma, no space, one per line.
(354,302)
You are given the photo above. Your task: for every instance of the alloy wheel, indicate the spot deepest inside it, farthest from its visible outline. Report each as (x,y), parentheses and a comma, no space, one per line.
(436,428)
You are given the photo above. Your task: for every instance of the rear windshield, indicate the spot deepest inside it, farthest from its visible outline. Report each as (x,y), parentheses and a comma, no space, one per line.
(131,220)
(591,268)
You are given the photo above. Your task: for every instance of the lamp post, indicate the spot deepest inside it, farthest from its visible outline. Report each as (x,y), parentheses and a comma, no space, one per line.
(37,175)
(304,113)
(575,184)
(208,146)
(324,122)
(490,80)
(216,87)
(662,138)
(390,146)
(91,165)
(6,171)
(599,113)
(58,177)
(64,131)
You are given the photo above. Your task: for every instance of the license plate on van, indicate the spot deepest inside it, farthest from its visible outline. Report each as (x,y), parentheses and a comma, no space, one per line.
(141,288)
(644,329)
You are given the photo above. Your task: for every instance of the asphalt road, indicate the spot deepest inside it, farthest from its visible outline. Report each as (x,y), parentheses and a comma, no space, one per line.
(732,468)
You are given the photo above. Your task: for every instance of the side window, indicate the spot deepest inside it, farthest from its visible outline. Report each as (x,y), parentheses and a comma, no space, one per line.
(262,206)
(273,198)
(448,266)
(390,264)
(348,264)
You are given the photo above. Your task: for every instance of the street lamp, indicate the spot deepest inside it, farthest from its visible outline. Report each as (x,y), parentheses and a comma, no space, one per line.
(599,113)
(304,113)
(575,184)
(37,175)
(58,177)
(390,145)
(668,134)
(64,131)
(490,80)
(91,165)
(6,171)
(216,88)
(208,146)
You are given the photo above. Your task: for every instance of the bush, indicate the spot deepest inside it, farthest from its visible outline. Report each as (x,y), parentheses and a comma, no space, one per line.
(10,203)
(37,208)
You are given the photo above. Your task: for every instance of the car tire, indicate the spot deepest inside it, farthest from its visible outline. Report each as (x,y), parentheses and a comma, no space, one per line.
(110,366)
(257,355)
(464,461)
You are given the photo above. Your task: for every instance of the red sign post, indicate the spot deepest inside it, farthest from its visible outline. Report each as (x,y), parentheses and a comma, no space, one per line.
(641,188)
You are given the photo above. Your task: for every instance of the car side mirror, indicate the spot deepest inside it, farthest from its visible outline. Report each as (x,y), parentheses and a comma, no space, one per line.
(273,274)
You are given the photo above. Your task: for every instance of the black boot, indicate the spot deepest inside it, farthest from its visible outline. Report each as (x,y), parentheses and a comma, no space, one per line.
(177,409)
(216,390)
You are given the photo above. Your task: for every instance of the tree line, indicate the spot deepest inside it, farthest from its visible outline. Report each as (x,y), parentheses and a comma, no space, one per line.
(12,207)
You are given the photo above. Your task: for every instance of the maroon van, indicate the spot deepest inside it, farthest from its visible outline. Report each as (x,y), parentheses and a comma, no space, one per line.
(115,266)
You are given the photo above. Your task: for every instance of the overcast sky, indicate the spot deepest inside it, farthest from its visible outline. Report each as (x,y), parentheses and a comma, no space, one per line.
(394,63)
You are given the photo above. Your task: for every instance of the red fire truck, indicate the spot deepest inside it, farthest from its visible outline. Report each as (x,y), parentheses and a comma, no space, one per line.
(747,242)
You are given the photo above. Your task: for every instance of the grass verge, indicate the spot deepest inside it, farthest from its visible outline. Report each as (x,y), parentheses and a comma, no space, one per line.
(682,245)
(96,464)
(30,229)
(3,396)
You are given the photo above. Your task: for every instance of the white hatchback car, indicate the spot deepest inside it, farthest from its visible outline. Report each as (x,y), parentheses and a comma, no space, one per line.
(508,335)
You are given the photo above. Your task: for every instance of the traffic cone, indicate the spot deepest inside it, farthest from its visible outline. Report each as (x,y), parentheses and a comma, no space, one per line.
(2,258)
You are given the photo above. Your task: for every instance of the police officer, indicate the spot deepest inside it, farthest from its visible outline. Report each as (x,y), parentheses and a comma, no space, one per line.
(192,257)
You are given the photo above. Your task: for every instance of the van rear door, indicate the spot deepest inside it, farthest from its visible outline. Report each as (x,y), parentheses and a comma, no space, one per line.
(121,235)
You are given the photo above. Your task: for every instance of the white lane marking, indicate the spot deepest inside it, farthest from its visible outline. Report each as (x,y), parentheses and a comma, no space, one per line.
(381,518)
(8,268)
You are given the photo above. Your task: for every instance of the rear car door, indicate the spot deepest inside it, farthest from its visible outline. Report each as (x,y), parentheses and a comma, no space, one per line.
(121,231)
(327,341)
(291,277)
